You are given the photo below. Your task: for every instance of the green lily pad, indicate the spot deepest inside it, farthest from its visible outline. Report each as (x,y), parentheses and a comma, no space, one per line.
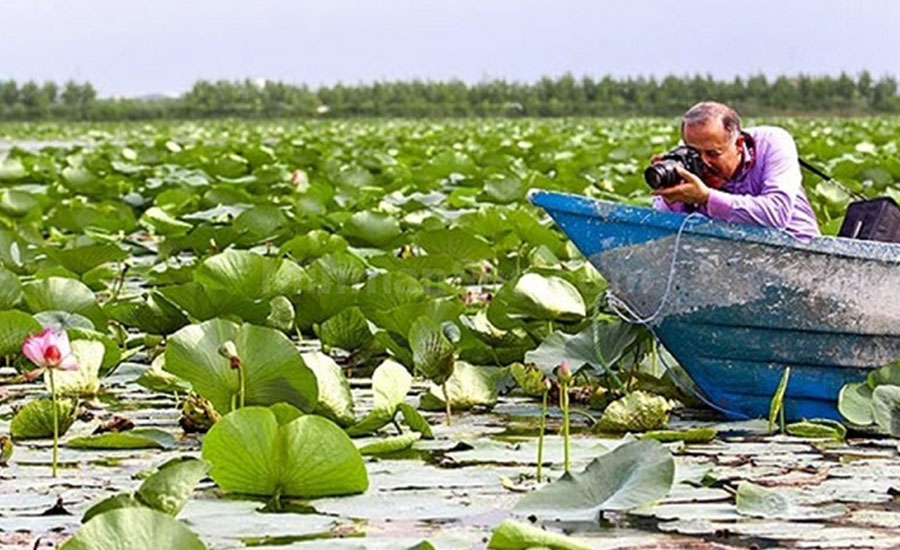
(63,321)
(133,529)
(15,326)
(372,229)
(86,379)
(416,421)
(514,535)
(818,428)
(469,386)
(632,475)
(273,369)
(546,298)
(10,289)
(61,294)
(754,500)
(35,419)
(433,354)
(855,403)
(163,223)
(348,330)
(335,399)
(638,411)
(389,445)
(390,384)
(138,438)
(692,435)
(155,378)
(167,490)
(886,409)
(155,315)
(81,259)
(307,457)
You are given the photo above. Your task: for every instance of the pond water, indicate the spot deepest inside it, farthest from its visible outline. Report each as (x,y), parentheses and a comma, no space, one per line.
(453,490)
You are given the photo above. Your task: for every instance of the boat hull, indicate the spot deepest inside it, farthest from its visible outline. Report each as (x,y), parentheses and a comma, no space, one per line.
(737,304)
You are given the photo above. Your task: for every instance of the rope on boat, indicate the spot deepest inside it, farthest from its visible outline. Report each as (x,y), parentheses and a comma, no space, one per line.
(621,308)
(627,314)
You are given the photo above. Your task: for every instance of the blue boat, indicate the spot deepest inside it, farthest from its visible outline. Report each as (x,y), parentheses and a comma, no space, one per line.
(736,304)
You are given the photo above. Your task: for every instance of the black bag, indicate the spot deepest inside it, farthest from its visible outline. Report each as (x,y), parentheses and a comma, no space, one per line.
(872,220)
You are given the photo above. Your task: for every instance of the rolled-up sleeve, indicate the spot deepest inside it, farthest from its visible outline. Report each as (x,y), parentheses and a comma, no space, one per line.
(781,184)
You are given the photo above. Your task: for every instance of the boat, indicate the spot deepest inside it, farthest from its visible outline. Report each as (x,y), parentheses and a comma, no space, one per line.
(736,304)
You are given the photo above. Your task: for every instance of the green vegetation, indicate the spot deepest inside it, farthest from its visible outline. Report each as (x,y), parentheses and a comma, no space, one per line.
(562,96)
(198,267)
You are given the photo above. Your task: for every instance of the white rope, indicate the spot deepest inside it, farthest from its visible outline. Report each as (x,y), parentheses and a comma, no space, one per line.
(626,312)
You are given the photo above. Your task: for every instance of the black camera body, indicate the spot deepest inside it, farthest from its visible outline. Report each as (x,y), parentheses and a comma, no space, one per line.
(663,173)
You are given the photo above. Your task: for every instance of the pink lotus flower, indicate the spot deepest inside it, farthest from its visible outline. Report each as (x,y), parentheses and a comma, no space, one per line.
(48,350)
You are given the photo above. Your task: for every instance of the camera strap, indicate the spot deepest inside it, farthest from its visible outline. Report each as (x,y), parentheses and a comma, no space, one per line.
(826,177)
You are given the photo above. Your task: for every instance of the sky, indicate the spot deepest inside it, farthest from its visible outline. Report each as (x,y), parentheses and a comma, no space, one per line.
(140,47)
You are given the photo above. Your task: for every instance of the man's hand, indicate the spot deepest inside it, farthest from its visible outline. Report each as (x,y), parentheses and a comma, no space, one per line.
(691,191)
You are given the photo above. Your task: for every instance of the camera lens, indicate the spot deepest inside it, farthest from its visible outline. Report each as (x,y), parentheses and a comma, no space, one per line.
(655,175)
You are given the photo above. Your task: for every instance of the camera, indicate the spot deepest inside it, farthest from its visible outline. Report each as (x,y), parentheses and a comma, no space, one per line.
(663,174)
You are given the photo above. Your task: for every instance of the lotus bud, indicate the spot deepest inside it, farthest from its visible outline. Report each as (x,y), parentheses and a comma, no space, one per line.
(229,351)
(564,372)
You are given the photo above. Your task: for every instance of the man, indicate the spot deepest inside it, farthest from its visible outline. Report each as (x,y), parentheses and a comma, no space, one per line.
(751,176)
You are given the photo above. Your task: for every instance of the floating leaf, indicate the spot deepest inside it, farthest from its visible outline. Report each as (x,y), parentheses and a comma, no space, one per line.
(10,289)
(546,298)
(389,445)
(818,428)
(138,438)
(307,457)
(35,419)
(61,294)
(514,535)
(273,369)
(372,229)
(348,330)
(15,326)
(335,399)
(167,490)
(692,435)
(761,502)
(855,403)
(632,475)
(86,379)
(416,421)
(133,529)
(468,387)
(638,411)
(886,408)
(390,384)
(433,354)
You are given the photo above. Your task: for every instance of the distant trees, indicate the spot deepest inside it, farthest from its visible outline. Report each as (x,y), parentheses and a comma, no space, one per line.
(562,96)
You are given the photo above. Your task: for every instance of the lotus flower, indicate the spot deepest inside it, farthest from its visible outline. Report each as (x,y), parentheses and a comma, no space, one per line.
(48,350)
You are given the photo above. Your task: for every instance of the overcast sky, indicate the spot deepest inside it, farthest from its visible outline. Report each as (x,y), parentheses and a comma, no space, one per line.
(135,47)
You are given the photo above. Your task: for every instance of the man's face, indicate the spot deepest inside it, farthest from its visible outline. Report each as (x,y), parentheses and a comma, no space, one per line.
(720,151)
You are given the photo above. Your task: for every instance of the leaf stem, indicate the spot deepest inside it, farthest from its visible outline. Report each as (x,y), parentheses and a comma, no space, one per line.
(543,424)
(55,419)
(446,401)
(564,405)
(243,388)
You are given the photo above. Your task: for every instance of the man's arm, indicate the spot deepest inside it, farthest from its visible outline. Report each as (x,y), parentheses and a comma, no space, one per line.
(774,204)
(662,205)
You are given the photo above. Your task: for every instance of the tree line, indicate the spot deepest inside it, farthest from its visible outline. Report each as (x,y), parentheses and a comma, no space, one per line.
(548,97)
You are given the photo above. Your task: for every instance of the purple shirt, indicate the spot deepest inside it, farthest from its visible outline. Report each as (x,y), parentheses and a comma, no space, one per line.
(767,190)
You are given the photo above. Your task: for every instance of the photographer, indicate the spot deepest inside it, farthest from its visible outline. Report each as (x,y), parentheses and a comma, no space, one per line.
(751,176)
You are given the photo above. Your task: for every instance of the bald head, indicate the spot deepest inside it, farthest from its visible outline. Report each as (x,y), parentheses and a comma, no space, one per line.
(708,112)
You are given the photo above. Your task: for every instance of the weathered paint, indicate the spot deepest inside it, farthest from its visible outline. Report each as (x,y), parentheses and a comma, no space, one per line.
(746,301)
